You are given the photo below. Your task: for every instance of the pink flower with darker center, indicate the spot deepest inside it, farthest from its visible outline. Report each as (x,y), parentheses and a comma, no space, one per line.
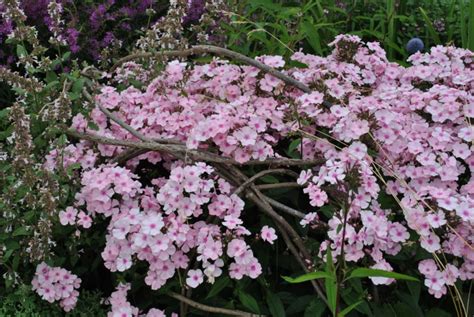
(268,234)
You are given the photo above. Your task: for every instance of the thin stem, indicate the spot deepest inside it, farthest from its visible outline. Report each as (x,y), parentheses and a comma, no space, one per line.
(341,262)
(210,309)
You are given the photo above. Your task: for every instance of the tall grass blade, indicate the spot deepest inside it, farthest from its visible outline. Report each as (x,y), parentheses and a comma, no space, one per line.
(429,26)
(470,30)
(463,25)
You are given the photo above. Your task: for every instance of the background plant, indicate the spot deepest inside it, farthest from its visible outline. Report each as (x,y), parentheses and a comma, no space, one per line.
(280,27)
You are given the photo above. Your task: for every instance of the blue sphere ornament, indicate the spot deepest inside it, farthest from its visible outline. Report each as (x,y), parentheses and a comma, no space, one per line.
(414,45)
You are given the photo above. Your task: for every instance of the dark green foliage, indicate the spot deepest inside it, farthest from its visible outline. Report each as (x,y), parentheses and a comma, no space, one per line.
(282,27)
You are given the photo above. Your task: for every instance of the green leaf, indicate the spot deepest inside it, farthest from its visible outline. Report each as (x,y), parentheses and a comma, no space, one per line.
(7,255)
(308,277)
(294,145)
(404,309)
(4,113)
(74,96)
(22,231)
(66,56)
(299,304)
(54,64)
(315,309)
(366,272)
(78,85)
(414,289)
(331,284)
(356,285)
(21,51)
(410,301)
(12,245)
(329,262)
(312,36)
(51,77)
(218,286)
(16,262)
(269,179)
(348,309)
(436,312)
(275,305)
(385,310)
(249,302)
(72,167)
(93,126)
(351,295)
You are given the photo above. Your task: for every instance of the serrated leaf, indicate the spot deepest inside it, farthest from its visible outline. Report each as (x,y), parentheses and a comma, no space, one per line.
(366,272)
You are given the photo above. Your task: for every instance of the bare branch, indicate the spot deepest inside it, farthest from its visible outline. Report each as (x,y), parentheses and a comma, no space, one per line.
(210,309)
(127,155)
(278,205)
(263,173)
(234,175)
(293,250)
(300,253)
(197,155)
(210,49)
(283,185)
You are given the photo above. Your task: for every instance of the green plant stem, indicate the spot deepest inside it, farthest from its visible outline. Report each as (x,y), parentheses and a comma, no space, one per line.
(341,263)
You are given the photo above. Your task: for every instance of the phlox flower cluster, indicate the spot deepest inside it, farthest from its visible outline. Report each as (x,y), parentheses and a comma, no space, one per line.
(162,225)
(380,128)
(56,284)
(121,307)
(242,120)
(368,229)
(436,280)
(78,153)
(417,119)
